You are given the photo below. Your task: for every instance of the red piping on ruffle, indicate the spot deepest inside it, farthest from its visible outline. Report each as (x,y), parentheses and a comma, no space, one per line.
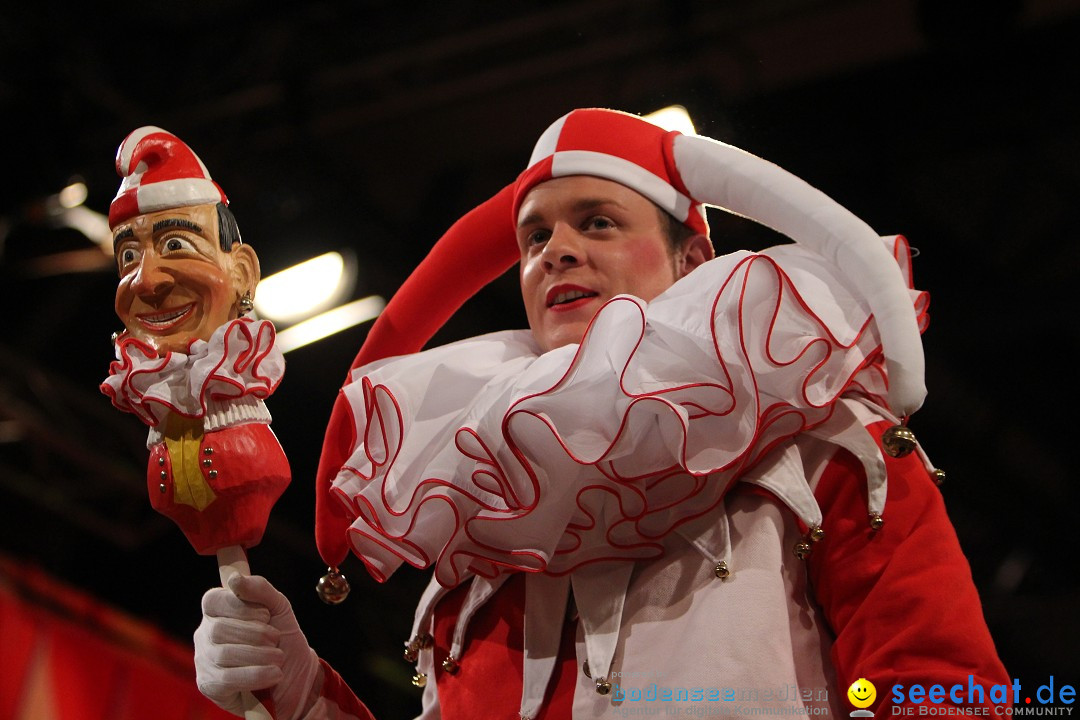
(255,349)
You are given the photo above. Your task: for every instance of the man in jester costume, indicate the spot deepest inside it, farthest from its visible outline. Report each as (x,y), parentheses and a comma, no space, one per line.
(691,476)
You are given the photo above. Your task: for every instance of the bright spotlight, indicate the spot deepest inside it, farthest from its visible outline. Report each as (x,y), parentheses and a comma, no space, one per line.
(303,290)
(330,322)
(673,117)
(73,195)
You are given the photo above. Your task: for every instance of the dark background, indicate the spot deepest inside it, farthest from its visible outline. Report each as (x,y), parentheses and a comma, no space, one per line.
(374,125)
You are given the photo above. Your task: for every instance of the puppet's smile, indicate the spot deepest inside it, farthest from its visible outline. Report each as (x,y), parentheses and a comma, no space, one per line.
(165,319)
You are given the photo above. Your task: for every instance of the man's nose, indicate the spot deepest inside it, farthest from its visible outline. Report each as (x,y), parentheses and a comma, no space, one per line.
(563,248)
(152,277)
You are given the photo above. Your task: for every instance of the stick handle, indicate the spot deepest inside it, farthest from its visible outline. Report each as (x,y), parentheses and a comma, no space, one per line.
(233,561)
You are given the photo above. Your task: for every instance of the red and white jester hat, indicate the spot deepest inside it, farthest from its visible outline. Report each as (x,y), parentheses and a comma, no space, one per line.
(681,174)
(159,172)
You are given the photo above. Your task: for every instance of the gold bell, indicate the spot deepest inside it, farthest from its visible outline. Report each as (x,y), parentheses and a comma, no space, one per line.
(802,550)
(418,643)
(603,687)
(419,679)
(939,476)
(450,665)
(876,521)
(898,441)
(817,534)
(332,587)
(722,571)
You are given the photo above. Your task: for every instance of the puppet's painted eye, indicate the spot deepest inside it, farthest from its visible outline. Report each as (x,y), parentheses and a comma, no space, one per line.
(128,256)
(178,244)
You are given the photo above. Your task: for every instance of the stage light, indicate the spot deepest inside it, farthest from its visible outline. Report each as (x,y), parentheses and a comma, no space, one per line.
(330,322)
(305,289)
(73,195)
(673,117)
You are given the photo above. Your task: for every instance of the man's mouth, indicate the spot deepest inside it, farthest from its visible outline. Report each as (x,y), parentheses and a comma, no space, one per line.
(164,320)
(567,296)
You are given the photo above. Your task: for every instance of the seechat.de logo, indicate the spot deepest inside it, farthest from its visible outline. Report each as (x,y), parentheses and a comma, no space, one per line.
(972,698)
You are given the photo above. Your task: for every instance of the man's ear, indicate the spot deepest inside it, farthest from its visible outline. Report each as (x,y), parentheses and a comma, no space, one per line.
(245,270)
(695,250)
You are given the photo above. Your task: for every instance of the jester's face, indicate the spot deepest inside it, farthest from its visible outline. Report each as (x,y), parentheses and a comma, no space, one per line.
(176,282)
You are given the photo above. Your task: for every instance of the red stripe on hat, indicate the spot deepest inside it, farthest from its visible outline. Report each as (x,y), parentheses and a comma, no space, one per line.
(616,133)
(671,170)
(696,219)
(123,207)
(527,180)
(174,159)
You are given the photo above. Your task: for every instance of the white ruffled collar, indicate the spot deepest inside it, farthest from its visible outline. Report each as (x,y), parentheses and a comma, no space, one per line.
(240,360)
(481,456)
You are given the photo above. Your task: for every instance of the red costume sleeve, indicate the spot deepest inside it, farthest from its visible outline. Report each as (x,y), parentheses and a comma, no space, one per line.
(336,700)
(900,599)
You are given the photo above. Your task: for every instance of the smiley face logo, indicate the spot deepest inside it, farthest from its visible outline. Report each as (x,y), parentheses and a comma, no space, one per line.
(862,693)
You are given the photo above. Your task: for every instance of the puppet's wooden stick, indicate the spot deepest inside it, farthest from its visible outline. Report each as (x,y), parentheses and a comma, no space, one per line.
(232,561)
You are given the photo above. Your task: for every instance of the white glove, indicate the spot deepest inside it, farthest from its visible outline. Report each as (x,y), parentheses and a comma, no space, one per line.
(249,640)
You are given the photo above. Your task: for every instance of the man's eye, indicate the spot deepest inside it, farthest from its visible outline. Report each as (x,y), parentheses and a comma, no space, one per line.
(537,237)
(599,223)
(176,244)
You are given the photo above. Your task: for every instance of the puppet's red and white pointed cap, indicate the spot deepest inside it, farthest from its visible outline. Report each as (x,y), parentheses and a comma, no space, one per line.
(159,171)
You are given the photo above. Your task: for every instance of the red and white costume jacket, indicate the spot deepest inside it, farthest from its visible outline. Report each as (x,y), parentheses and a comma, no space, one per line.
(216,468)
(625,511)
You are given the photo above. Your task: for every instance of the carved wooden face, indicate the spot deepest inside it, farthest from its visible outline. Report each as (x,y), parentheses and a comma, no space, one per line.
(176,283)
